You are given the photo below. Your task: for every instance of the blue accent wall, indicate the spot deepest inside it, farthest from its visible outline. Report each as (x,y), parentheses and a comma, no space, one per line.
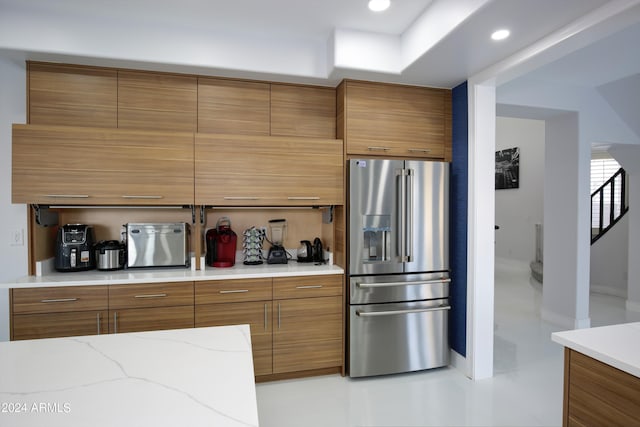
(458,207)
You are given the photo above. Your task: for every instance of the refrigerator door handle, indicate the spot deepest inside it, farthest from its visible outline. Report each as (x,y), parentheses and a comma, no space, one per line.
(401,213)
(408,251)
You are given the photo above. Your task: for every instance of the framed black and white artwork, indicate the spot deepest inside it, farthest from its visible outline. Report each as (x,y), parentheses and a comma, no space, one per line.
(508,168)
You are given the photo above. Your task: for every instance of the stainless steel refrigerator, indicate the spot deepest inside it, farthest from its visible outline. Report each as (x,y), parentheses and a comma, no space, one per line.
(398,266)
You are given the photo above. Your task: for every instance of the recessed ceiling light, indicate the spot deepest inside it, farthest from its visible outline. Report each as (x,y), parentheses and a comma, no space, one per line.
(500,34)
(379,5)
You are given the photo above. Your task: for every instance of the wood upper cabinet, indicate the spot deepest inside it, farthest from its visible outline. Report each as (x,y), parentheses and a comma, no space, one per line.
(157,101)
(308,111)
(58,312)
(236,170)
(72,95)
(233,106)
(394,120)
(97,166)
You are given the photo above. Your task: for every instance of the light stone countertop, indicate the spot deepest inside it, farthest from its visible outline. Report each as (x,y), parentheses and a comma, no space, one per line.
(183,377)
(137,275)
(615,345)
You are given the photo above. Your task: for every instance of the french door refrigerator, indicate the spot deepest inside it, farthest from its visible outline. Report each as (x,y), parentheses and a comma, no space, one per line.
(398,266)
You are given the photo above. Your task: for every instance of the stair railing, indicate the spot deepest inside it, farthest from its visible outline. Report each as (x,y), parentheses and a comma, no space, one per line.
(615,190)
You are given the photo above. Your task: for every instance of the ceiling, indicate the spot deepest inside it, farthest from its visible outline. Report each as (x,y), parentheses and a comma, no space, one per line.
(438,43)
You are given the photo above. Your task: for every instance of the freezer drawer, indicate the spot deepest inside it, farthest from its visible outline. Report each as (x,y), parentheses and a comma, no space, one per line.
(398,288)
(398,337)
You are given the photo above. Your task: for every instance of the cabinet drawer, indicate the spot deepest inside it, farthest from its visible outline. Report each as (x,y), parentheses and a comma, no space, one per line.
(150,295)
(59,299)
(54,325)
(233,291)
(307,286)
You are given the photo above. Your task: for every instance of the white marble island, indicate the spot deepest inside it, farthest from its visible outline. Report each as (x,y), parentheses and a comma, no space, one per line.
(190,377)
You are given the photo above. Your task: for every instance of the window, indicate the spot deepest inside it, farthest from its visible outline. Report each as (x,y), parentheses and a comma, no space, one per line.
(603,168)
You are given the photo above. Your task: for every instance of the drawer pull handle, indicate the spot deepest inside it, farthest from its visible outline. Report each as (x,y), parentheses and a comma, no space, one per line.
(151,296)
(235,291)
(396,312)
(133,196)
(68,196)
(59,300)
(303,198)
(309,287)
(378,148)
(241,198)
(419,150)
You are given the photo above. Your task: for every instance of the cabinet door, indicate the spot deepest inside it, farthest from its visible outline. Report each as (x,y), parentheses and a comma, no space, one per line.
(157,101)
(307,334)
(257,314)
(72,95)
(74,165)
(267,171)
(394,120)
(233,106)
(54,325)
(150,319)
(303,111)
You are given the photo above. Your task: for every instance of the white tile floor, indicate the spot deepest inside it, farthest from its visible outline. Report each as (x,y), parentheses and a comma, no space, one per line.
(525,391)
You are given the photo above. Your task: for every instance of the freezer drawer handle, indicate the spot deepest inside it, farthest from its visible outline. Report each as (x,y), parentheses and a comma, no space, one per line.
(234,291)
(60,300)
(151,296)
(309,287)
(394,312)
(388,284)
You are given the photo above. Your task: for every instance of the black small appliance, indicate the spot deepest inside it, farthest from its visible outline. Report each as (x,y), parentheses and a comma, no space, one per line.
(305,253)
(318,254)
(75,248)
(277,255)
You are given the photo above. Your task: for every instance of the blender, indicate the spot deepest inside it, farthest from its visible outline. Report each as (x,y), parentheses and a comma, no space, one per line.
(277,253)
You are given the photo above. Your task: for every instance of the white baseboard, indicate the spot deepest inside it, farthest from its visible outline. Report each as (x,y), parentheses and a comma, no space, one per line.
(608,290)
(632,306)
(565,321)
(459,362)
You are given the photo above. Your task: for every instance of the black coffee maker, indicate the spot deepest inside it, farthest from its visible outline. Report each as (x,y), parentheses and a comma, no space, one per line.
(75,248)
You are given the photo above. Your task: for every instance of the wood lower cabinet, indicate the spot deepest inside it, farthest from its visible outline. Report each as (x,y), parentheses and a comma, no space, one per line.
(597,394)
(257,314)
(54,325)
(150,307)
(394,120)
(308,323)
(77,165)
(52,312)
(307,334)
(235,170)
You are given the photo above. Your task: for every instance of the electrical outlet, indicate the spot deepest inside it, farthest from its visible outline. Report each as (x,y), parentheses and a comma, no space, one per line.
(17,237)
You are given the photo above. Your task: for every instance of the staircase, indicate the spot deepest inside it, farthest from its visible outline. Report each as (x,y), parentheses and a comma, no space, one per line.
(609,203)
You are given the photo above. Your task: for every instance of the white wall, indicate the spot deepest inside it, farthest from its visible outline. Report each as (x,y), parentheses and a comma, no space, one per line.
(519,209)
(13,259)
(609,261)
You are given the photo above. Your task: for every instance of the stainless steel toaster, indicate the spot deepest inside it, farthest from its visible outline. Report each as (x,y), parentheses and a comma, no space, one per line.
(158,245)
